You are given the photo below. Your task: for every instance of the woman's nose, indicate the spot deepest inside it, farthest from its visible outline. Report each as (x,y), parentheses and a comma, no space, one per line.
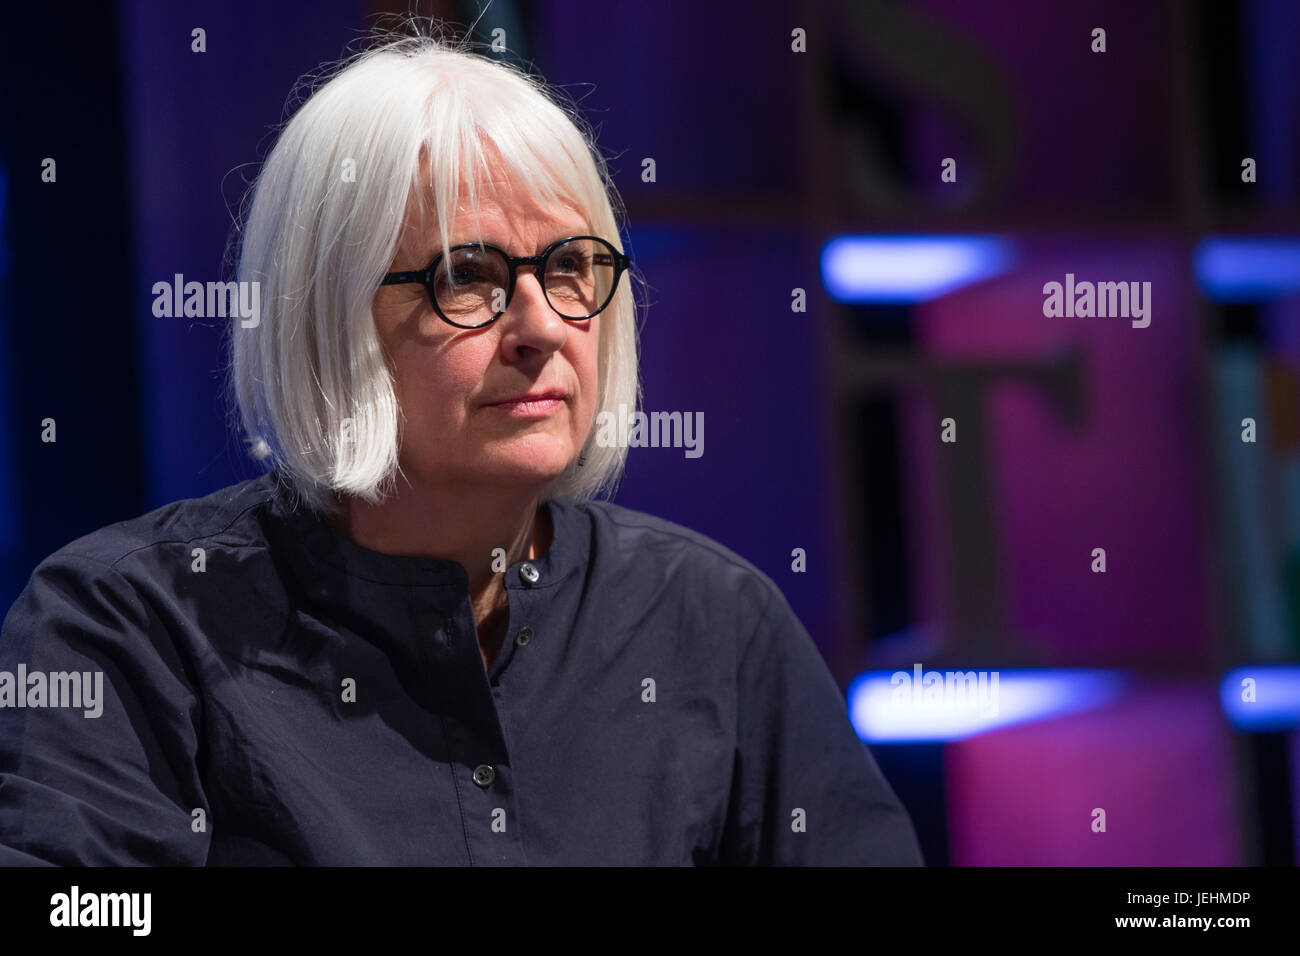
(529,320)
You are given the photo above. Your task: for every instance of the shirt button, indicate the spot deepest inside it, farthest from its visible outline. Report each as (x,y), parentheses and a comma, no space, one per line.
(529,573)
(484,775)
(524,636)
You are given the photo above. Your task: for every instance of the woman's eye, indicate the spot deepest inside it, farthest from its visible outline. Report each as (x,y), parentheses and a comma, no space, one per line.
(458,276)
(570,263)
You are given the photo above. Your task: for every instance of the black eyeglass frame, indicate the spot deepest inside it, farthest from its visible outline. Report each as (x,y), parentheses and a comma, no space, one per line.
(426,275)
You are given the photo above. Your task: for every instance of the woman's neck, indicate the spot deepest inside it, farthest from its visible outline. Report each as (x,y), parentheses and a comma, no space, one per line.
(484,530)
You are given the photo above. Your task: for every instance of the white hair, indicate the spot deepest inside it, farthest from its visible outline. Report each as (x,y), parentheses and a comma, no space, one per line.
(319,242)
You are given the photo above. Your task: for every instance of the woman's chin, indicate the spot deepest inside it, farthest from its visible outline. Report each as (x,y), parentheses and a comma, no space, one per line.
(538,467)
(530,460)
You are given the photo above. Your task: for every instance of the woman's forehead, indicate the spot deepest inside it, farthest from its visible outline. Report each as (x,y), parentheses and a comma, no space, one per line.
(498,218)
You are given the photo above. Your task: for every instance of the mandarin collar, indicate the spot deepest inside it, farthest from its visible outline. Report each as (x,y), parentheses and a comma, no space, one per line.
(316,540)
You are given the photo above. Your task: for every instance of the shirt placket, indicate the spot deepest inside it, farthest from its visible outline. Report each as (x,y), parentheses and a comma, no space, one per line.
(501,843)
(478,744)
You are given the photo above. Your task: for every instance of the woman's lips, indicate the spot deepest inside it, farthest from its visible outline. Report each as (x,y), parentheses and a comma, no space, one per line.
(529,407)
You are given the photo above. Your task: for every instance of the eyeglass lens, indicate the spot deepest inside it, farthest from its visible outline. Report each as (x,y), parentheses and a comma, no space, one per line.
(578,278)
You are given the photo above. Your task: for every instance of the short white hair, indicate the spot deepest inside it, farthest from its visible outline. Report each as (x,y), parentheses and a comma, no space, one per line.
(319,242)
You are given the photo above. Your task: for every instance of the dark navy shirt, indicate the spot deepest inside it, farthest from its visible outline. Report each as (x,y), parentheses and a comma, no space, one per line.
(275,693)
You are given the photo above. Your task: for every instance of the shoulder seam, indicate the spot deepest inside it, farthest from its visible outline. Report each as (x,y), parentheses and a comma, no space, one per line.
(762,619)
(132,590)
(200,537)
(716,548)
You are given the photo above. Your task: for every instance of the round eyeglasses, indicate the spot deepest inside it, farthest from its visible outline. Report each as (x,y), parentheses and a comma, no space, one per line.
(471,285)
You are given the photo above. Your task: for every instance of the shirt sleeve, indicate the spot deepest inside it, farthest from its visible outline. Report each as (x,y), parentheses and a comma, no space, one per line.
(113,781)
(806,791)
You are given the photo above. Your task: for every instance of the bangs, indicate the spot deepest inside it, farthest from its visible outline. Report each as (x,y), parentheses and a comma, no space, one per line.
(476,134)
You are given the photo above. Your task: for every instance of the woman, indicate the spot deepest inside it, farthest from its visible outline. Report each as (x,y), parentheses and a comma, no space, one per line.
(418,639)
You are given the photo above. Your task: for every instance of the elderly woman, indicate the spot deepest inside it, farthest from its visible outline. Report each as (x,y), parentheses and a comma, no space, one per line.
(418,638)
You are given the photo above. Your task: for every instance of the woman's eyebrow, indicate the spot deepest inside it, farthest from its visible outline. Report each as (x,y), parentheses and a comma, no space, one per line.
(492,241)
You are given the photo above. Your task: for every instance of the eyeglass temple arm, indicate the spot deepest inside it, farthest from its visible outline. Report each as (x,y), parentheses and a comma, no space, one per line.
(399,278)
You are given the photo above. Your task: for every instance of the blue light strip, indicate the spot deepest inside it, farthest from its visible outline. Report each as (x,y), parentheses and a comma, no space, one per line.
(929,705)
(1262,698)
(1247,269)
(908,269)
